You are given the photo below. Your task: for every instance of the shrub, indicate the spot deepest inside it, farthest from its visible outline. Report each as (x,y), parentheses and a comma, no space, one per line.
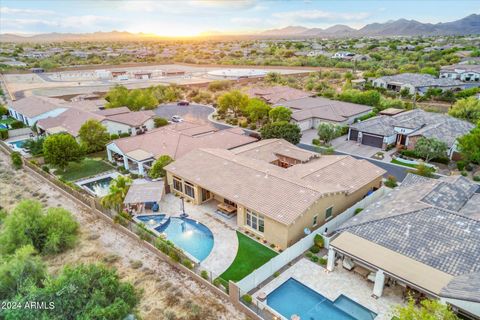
(3,111)
(162,246)
(114,136)
(187,263)
(476,178)
(174,255)
(464,173)
(322,261)
(204,274)
(16,124)
(314,258)
(357,211)
(16,160)
(247,298)
(3,134)
(124,135)
(276,274)
(136,264)
(217,282)
(391,181)
(253,126)
(272,246)
(160,122)
(309,254)
(46,168)
(316,142)
(314,249)
(468,167)
(318,240)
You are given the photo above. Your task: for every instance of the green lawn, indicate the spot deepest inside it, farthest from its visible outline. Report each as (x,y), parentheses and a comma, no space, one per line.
(8,120)
(85,168)
(403,164)
(250,256)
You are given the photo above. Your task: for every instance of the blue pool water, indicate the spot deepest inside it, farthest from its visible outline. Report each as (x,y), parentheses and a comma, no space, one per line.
(99,187)
(189,235)
(3,126)
(157,218)
(292,297)
(19,143)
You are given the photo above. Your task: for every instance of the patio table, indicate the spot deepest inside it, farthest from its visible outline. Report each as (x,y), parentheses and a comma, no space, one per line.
(226,208)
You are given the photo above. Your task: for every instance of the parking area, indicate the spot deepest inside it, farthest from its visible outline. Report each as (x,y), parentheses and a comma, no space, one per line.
(192,113)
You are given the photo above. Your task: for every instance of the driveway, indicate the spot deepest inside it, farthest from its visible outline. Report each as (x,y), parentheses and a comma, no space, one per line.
(308,136)
(341,144)
(193,113)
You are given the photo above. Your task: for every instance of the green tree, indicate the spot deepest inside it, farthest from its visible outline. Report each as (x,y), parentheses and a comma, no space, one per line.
(281,130)
(34,146)
(327,132)
(160,122)
(117,97)
(3,110)
(469,145)
(467,109)
(257,110)
(235,101)
(93,136)
(118,190)
(82,292)
(280,113)
(157,170)
(428,310)
(60,149)
(423,170)
(50,231)
(20,271)
(16,159)
(430,148)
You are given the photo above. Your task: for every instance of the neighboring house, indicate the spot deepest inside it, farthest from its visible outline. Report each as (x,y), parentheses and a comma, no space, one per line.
(116,120)
(138,153)
(463,72)
(404,129)
(417,83)
(423,236)
(277,94)
(31,109)
(345,55)
(276,189)
(309,112)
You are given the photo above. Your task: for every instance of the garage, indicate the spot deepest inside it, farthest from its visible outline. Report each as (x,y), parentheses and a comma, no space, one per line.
(353,134)
(373,141)
(305,124)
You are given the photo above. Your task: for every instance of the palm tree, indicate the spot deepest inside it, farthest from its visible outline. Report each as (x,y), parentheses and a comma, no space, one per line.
(118,190)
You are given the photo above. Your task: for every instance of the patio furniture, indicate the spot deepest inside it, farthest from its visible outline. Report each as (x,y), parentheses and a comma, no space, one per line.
(361,271)
(262,296)
(348,264)
(228,209)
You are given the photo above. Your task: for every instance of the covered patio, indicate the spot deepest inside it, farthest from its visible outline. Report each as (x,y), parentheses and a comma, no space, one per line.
(137,161)
(144,197)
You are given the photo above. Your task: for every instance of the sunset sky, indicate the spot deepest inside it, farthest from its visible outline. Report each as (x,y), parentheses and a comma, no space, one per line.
(192,17)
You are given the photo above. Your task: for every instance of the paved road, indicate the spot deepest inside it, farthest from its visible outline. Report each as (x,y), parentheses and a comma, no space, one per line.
(193,113)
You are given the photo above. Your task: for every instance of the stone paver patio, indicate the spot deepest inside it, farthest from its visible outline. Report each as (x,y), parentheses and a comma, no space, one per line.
(332,284)
(225,244)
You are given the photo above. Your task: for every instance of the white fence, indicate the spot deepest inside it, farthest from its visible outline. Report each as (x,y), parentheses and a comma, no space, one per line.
(276,263)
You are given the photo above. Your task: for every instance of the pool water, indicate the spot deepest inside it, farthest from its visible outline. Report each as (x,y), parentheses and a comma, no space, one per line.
(99,187)
(292,297)
(3,126)
(189,235)
(157,218)
(19,143)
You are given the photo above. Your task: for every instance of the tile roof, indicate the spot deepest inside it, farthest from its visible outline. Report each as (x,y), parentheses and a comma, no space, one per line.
(277,94)
(69,121)
(36,105)
(322,108)
(176,140)
(133,119)
(269,149)
(465,287)
(420,80)
(279,193)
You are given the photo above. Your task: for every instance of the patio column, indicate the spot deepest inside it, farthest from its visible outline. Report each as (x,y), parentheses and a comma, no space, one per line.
(141,170)
(379,283)
(125,163)
(331,259)
(109,155)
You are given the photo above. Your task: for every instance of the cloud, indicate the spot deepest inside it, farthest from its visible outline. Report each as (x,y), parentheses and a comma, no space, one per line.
(17,11)
(187,7)
(316,15)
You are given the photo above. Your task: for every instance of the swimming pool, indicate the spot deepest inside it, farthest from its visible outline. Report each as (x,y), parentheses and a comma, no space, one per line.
(293,297)
(99,187)
(189,235)
(17,144)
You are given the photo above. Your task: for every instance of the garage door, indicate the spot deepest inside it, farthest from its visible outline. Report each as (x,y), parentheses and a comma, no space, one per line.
(353,135)
(372,140)
(304,125)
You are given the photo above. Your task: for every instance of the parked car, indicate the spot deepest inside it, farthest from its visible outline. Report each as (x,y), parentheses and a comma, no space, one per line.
(176,119)
(183,103)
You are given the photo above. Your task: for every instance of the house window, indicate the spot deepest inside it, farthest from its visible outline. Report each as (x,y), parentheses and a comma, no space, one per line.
(328,213)
(189,190)
(130,131)
(177,184)
(255,221)
(315,220)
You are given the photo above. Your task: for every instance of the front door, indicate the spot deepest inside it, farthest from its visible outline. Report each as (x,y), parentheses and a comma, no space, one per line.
(205,195)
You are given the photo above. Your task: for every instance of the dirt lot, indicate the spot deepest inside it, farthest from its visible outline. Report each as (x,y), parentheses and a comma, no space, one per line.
(167,293)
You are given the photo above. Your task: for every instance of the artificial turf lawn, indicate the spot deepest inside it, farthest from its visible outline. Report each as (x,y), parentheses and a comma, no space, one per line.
(403,163)
(85,168)
(251,255)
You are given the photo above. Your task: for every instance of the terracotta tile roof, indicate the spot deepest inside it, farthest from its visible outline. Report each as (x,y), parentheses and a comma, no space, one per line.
(69,121)
(176,140)
(277,94)
(112,111)
(133,119)
(36,105)
(269,149)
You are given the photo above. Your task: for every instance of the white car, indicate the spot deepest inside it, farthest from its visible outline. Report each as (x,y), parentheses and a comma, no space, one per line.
(177,119)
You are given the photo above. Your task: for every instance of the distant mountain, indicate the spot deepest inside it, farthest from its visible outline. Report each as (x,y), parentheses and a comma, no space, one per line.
(401,27)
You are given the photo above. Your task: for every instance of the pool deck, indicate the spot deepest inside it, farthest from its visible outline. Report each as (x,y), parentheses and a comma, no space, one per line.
(225,242)
(332,284)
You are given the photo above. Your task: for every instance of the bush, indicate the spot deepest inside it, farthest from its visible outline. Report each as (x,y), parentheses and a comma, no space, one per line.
(308,254)
(314,249)
(318,240)
(276,274)
(16,160)
(316,142)
(3,134)
(114,136)
(16,124)
(468,167)
(314,258)
(46,168)
(357,211)
(476,178)
(464,173)
(322,261)
(391,181)
(247,298)
(217,282)
(136,264)
(3,111)
(253,126)
(187,263)
(174,255)
(204,274)
(160,122)
(124,135)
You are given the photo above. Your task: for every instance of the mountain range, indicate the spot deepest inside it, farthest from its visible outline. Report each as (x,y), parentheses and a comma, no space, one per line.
(401,27)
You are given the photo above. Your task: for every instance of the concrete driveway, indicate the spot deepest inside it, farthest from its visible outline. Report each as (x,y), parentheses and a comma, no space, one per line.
(308,136)
(197,113)
(352,147)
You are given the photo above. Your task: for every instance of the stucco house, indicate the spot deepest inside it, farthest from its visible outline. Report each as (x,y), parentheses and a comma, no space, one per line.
(404,129)
(463,72)
(423,236)
(31,109)
(417,83)
(275,189)
(309,112)
(138,153)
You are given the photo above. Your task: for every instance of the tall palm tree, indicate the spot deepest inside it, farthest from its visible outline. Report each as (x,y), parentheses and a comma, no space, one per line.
(118,190)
